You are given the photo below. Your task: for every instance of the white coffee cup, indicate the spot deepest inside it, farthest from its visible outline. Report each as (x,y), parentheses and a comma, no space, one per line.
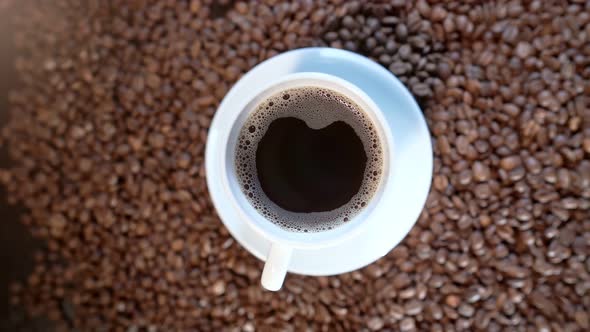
(251,228)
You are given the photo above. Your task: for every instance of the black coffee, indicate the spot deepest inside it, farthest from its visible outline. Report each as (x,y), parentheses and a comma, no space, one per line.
(307,170)
(308,159)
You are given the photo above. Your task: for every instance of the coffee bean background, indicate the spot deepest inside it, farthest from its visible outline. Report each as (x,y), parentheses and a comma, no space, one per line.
(107,129)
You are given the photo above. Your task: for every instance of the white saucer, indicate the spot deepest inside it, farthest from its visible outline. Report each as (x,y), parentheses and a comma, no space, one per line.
(399,207)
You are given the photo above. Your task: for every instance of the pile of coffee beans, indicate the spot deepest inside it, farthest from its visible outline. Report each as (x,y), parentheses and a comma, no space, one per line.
(402,41)
(108,128)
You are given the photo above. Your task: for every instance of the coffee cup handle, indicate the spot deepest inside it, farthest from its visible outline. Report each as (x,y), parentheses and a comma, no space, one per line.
(275,268)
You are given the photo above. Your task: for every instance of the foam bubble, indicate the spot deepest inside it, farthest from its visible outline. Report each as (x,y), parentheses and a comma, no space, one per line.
(318,108)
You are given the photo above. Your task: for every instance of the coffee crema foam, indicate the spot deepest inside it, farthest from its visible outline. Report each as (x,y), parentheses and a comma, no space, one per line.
(318,108)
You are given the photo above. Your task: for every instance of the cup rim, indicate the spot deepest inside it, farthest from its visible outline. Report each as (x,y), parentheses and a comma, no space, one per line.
(250,216)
